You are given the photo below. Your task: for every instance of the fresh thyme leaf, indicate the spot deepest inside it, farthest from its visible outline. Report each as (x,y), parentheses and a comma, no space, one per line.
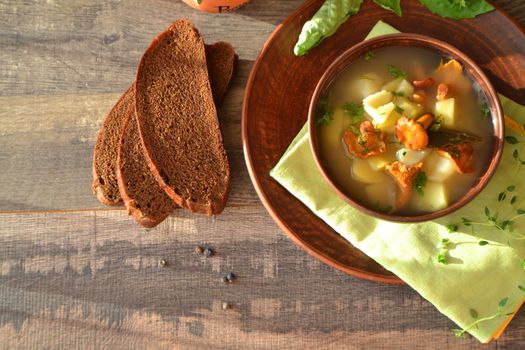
(396,72)
(451,228)
(513,200)
(442,259)
(520,211)
(473,313)
(515,154)
(523,264)
(466,222)
(487,211)
(458,333)
(501,196)
(369,55)
(419,183)
(482,243)
(511,188)
(355,111)
(521,288)
(511,139)
(485,111)
(325,112)
(509,313)
(503,302)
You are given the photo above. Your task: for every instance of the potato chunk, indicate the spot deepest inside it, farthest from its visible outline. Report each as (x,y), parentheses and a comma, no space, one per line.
(438,168)
(434,197)
(363,172)
(446,109)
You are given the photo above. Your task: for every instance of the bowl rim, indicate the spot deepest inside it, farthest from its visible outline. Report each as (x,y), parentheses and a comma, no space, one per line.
(409,39)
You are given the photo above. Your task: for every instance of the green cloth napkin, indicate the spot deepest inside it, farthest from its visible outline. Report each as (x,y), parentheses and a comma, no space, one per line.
(479,280)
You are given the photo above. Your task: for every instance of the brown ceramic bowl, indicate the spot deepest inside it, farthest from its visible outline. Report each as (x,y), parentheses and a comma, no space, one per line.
(445,50)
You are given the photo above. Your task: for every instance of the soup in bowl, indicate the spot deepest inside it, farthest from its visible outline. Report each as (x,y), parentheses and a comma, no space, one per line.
(405,127)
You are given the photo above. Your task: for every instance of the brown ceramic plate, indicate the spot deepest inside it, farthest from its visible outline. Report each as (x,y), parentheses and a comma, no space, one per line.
(280,87)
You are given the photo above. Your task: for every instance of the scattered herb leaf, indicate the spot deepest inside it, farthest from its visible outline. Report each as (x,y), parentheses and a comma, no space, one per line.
(369,55)
(521,288)
(326,112)
(451,228)
(419,182)
(523,264)
(355,111)
(396,72)
(511,188)
(482,243)
(503,302)
(473,313)
(398,93)
(511,139)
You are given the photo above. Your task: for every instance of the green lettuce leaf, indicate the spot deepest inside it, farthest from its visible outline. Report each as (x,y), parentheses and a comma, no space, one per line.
(457,9)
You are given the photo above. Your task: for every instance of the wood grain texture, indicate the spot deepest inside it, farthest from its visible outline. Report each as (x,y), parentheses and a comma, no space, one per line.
(91,279)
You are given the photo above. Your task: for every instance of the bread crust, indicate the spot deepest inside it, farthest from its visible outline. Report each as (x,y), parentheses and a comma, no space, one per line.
(107,140)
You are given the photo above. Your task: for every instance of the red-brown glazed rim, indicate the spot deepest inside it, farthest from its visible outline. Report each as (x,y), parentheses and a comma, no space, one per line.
(444,49)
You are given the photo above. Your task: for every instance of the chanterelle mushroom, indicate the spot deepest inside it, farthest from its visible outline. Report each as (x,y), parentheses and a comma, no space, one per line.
(370,142)
(461,155)
(411,134)
(404,177)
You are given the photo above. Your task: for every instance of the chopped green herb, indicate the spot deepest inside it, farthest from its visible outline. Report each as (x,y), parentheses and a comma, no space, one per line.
(511,139)
(485,111)
(399,110)
(419,183)
(354,111)
(353,129)
(396,72)
(503,302)
(398,93)
(369,55)
(451,228)
(326,112)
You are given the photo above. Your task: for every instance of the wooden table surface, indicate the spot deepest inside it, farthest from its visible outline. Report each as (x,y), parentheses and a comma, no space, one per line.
(90,278)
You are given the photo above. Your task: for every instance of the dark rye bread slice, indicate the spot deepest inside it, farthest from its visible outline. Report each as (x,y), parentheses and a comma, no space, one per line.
(106,147)
(221,62)
(145,200)
(178,122)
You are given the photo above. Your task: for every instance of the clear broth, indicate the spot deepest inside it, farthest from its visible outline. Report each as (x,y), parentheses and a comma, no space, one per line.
(364,76)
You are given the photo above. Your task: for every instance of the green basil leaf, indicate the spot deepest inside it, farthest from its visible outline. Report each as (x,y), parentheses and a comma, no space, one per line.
(457,9)
(324,23)
(392,5)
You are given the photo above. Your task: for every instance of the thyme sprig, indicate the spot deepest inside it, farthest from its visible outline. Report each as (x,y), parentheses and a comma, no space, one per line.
(445,245)
(499,312)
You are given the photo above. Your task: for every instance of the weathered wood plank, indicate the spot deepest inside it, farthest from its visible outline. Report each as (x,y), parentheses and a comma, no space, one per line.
(79,278)
(46,150)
